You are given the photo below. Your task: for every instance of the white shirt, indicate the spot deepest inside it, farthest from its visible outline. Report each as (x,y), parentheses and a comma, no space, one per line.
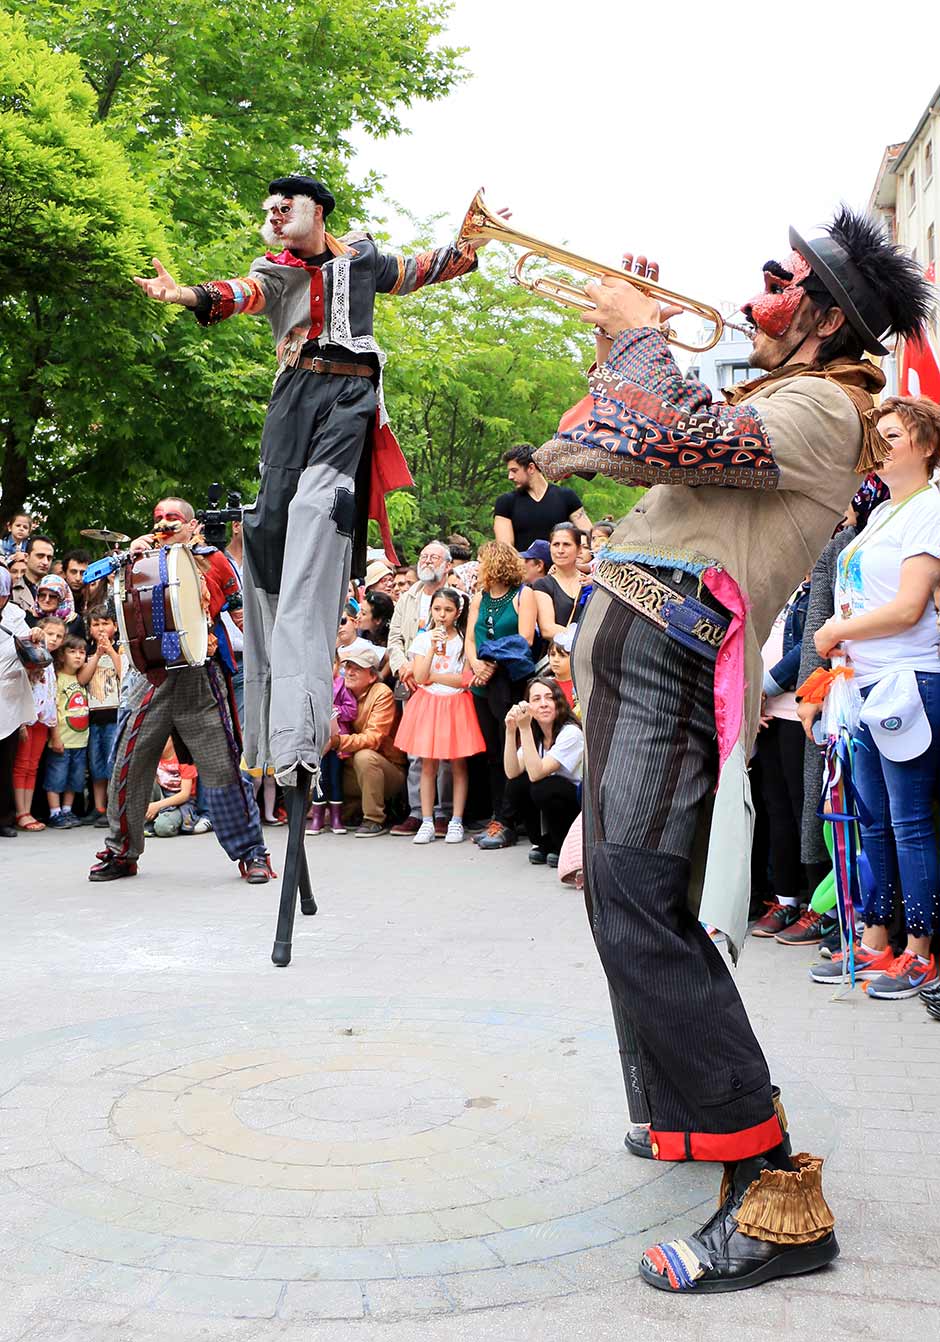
(450,663)
(869,576)
(567,749)
(16,694)
(235,635)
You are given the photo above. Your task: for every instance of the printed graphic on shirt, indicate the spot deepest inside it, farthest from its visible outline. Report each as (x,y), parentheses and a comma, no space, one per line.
(76,709)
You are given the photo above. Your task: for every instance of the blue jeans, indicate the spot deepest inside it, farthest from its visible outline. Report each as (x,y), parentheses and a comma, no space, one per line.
(900,841)
(66,772)
(101,739)
(331,778)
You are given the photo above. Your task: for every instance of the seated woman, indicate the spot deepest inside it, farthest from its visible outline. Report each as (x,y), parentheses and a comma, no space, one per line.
(557,593)
(886,624)
(542,760)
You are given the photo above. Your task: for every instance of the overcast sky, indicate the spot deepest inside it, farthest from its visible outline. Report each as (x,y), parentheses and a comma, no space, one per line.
(696,132)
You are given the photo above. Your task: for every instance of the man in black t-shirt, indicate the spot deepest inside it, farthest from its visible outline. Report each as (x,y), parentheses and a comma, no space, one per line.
(529,511)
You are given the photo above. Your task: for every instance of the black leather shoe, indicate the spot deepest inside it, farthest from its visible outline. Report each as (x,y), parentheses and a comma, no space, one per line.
(721,1257)
(112,868)
(9,832)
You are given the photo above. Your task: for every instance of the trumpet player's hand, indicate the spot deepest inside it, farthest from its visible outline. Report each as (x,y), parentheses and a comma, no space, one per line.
(621,306)
(477,243)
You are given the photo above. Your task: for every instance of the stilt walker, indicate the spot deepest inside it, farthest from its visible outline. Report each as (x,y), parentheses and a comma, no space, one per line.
(328,457)
(668,671)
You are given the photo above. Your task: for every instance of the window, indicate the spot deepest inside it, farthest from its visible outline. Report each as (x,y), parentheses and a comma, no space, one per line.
(928,163)
(912,188)
(931,249)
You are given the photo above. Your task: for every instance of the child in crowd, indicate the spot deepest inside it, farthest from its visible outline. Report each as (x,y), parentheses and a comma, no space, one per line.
(167,814)
(34,735)
(102,674)
(330,788)
(65,765)
(559,661)
(17,534)
(439,721)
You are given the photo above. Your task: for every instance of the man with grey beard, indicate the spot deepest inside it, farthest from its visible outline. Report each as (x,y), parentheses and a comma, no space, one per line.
(410,617)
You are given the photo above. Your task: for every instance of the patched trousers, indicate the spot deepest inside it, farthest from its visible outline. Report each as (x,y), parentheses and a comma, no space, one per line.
(298,545)
(692,1065)
(191,706)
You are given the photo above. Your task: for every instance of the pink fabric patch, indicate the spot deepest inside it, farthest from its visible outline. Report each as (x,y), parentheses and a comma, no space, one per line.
(729,668)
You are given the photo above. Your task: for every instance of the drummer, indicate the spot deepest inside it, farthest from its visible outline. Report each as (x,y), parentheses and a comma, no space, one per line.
(191,703)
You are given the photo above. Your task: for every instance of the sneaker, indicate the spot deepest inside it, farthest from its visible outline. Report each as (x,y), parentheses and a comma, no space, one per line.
(101,820)
(904,978)
(536,856)
(831,943)
(777,917)
(410,826)
(256,870)
(370,829)
(203,825)
(552,859)
(497,836)
(440,826)
(90,817)
(806,931)
(112,868)
(149,831)
(868,965)
(59,821)
(454,832)
(426,832)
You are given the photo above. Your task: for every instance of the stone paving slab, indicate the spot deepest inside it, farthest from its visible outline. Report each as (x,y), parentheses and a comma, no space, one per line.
(413,1132)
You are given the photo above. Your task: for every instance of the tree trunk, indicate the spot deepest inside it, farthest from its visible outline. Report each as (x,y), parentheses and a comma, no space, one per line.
(14,477)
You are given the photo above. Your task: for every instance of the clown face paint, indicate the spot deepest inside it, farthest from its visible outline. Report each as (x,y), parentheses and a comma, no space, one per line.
(290,219)
(773,310)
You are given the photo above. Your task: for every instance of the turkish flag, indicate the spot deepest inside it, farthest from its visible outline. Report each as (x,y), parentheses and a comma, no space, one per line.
(920,371)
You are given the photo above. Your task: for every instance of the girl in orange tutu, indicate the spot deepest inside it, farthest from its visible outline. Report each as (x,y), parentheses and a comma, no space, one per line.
(439,721)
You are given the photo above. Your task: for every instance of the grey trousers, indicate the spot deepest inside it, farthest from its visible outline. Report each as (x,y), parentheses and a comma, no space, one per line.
(298,545)
(445,788)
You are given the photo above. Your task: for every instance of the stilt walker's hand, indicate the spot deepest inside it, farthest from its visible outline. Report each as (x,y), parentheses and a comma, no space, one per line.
(165,288)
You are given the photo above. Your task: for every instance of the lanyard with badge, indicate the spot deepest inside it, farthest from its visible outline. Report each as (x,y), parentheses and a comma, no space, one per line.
(846,609)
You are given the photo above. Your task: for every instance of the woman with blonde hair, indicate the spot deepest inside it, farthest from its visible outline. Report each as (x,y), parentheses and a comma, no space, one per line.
(501,626)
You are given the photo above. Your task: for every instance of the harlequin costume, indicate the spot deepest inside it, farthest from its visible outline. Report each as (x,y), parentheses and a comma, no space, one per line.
(668,672)
(195,706)
(328,457)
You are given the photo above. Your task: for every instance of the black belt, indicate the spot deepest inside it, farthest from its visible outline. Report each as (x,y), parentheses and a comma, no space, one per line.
(681,617)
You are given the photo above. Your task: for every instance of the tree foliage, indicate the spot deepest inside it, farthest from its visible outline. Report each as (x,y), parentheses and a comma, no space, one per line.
(139,128)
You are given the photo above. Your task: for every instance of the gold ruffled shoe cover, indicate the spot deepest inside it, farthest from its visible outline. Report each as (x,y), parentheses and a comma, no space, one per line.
(770,1223)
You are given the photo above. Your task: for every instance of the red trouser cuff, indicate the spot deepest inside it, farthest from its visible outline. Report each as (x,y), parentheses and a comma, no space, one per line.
(717,1145)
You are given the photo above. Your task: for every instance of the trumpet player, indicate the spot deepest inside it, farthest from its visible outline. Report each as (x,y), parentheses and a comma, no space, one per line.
(668,673)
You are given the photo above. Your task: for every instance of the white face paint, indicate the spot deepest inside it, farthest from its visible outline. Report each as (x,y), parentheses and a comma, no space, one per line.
(290,218)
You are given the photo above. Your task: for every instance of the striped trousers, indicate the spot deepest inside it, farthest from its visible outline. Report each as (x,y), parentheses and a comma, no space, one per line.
(693,1067)
(191,706)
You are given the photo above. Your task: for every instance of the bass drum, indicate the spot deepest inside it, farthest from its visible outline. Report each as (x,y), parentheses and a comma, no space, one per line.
(159,608)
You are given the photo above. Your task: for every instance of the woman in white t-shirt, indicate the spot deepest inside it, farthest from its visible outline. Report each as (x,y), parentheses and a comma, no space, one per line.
(885,621)
(542,759)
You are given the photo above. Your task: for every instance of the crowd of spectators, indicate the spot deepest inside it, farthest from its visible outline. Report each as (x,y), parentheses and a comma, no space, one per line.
(455,714)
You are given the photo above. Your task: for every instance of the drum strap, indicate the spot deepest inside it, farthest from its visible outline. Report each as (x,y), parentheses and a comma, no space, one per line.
(169,640)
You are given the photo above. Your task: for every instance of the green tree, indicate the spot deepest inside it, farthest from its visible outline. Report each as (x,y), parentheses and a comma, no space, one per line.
(204,104)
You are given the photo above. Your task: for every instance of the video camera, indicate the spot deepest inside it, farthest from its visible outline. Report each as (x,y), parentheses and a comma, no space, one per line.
(214,519)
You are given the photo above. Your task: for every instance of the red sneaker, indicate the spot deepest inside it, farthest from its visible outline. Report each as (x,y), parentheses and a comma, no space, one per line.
(777,917)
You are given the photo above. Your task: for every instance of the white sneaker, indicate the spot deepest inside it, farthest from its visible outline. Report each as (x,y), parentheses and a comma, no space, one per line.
(203,825)
(426,833)
(455,832)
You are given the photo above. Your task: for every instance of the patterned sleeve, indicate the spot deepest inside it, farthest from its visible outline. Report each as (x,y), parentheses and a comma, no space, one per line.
(219,299)
(403,274)
(644,423)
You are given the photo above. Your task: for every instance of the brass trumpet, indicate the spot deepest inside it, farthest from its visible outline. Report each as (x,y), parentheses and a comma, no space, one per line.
(481,222)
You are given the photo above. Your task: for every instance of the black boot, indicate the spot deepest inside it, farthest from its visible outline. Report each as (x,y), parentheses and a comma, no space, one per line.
(770,1223)
(639,1143)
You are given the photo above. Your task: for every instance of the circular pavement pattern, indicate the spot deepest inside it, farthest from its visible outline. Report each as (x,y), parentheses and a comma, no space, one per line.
(331,1158)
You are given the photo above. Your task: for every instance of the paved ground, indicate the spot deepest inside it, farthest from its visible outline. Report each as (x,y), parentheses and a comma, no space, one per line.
(414,1132)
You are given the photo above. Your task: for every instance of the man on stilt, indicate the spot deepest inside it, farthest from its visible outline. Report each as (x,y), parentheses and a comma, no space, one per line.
(668,672)
(328,456)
